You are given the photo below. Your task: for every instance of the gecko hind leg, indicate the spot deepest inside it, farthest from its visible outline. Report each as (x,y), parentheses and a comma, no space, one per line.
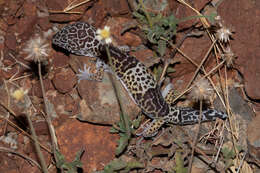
(151,129)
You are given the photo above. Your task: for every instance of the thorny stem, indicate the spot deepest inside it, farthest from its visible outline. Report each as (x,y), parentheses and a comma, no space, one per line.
(118,96)
(48,119)
(36,144)
(195,139)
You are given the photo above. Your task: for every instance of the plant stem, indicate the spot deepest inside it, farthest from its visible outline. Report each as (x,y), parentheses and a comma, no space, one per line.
(48,119)
(119,98)
(9,150)
(36,144)
(146,14)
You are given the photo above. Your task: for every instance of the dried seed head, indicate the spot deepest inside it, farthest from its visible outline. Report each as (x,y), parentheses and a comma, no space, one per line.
(37,49)
(201,90)
(223,34)
(229,56)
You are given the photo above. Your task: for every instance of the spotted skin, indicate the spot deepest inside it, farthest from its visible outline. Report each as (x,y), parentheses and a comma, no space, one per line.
(78,38)
(134,76)
(139,83)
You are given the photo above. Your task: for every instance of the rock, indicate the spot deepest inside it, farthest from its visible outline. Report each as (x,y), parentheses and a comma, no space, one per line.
(10,41)
(60,60)
(246,33)
(237,104)
(36,88)
(241,117)
(101,9)
(117,26)
(98,152)
(116,7)
(64,80)
(253,131)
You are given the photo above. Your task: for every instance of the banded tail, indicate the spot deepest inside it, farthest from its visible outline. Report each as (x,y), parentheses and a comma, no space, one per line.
(191,116)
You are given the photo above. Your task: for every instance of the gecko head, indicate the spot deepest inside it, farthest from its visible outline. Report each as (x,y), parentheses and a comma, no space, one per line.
(79,38)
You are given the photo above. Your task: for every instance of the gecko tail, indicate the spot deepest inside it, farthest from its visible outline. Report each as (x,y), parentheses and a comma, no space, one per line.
(185,116)
(192,116)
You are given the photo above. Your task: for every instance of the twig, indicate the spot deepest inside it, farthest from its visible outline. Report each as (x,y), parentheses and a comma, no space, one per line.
(36,144)
(241,163)
(229,112)
(206,75)
(70,7)
(48,118)
(204,71)
(21,130)
(8,150)
(221,143)
(19,62)
(197,149)
(168,61)
(18,78)
(202,18)
(201,63)
(195,139)
(8,99)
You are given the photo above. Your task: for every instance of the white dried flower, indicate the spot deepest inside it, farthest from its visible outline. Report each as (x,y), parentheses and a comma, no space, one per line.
(229,56)
(202,90)
(223,34)
(104,34)
(37,49)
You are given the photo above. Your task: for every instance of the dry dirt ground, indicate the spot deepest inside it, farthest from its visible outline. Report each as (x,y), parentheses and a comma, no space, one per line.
(82,114)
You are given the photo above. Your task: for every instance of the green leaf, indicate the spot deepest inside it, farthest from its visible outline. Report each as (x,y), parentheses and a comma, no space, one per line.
(179,163)
(139,16)
(228,153)
(132,165)
(113,130)
(69,167)
(136,123)
(212,17)
(122,143)
(170,70)
(115,165)
(161,47)
(151,37)
(60,159)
